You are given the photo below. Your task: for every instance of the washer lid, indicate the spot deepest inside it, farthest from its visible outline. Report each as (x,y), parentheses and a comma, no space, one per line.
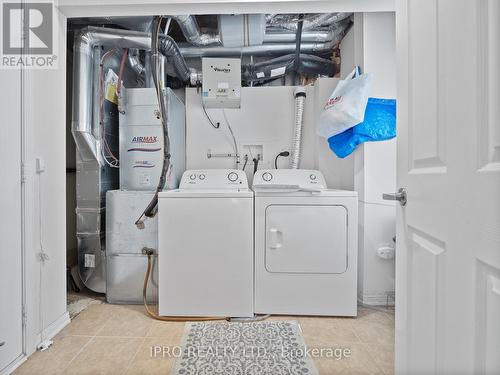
(288,180)
(206,193)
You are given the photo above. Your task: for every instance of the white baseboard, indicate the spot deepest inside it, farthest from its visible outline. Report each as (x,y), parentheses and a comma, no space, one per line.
(55,327)
(375,299)
(13,365)
(48,333)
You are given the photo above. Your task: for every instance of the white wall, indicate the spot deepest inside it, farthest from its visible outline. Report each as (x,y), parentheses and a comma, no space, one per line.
(11,254)
(266,118)
(45,125)
(375,163)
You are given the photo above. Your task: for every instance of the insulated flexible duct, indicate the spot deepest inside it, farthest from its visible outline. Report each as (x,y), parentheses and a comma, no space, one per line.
(312,36)
(311,21)
(300,98)
(270,69)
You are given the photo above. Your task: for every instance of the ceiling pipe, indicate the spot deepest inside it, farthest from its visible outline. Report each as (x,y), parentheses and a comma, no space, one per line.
(289,22)
(261,50)
(273,36)
(191,31)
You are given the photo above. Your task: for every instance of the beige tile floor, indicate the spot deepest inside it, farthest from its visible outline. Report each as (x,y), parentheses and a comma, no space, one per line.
(117,339)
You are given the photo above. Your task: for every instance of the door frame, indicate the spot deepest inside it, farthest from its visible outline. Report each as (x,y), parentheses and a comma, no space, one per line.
(89,8)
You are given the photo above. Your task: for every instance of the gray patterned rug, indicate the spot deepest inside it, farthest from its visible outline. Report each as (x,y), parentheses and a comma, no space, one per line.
(258,348)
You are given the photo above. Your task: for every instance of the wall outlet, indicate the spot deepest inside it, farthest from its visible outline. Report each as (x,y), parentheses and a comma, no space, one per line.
(40,165)
(386,251)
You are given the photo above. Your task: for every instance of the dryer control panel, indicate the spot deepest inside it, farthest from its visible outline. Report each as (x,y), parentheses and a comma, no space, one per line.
(289,180)
(214,179)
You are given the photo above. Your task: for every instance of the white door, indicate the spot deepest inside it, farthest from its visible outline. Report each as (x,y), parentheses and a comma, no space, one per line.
(448,234)
(11,331)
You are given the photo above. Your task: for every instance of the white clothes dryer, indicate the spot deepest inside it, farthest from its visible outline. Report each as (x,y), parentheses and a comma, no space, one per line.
(305,245)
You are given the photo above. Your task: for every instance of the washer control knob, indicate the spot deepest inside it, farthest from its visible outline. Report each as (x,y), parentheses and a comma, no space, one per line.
(201,176)
(312,176)
(233,176)
(267,176)
(192,176)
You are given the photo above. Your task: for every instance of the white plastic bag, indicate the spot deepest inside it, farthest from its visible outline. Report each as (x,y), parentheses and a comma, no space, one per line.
(346,106)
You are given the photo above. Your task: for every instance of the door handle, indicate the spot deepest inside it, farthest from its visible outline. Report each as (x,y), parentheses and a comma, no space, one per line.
(2,343)
(275,238)
(400,196)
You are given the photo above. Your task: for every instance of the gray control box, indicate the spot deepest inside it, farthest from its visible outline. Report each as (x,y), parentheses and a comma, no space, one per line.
(221,82)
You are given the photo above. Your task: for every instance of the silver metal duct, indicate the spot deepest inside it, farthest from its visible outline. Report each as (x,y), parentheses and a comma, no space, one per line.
(191,31)
(311,21)
(336,33)
(94,176)
(85,42)
(276,43)
(300,98)
(277,29)
(135,62)
(260,50)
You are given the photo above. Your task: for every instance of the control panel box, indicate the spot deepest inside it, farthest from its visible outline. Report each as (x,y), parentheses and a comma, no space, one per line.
(289,179)
(214,179)
(221,87)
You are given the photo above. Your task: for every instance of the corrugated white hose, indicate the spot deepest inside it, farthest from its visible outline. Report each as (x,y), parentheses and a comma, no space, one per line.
(300,98)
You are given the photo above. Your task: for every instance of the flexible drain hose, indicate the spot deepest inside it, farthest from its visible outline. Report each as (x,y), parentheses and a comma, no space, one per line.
(149,253)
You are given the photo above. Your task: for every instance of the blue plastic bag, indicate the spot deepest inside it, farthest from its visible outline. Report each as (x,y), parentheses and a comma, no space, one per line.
(379,125)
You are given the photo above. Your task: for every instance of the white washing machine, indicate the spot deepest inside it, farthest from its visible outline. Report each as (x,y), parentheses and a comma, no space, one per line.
(305,245)
(205,249)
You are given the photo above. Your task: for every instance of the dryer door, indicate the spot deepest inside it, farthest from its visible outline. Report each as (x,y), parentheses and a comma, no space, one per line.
(306,239)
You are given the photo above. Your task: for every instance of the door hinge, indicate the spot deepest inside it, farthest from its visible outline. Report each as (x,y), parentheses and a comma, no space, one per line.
(23,173)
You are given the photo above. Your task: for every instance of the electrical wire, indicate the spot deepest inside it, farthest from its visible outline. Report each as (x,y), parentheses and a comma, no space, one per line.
(245,164)
(217,125)
(255,165)
(235,144)
(283,153)
(43,257)
(152,208)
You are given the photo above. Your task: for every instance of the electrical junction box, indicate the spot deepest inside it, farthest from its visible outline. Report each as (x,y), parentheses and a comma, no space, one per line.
(221,82)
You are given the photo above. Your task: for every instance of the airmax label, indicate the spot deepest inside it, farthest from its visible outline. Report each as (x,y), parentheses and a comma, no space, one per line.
(147,139)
